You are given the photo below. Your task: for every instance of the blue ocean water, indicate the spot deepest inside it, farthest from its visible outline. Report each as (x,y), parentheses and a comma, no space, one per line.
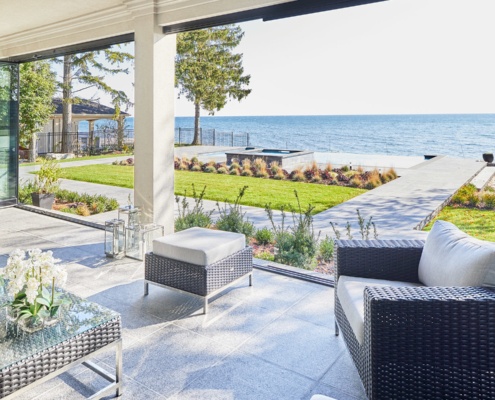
(459,135)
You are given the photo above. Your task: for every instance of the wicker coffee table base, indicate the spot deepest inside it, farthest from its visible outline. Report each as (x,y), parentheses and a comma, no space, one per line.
(115,380)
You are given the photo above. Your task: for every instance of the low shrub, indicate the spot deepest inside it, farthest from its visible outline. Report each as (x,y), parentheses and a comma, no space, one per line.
(222,170)
(463,195)
(196,168)
(88,204)
(279,175)
(298,245)
(195,217)
(265,255)
(488,198)
(210,169)
(246,172)
(264,236)
(232,219)
(325,250)
(235,171)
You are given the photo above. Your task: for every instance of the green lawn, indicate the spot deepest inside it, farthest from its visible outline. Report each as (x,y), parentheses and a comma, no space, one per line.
(80,159)
(226,187)
(477,223)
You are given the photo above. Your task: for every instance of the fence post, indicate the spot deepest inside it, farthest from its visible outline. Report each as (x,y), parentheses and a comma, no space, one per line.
(179,137)
(247,135)
(232,145)
(214,137)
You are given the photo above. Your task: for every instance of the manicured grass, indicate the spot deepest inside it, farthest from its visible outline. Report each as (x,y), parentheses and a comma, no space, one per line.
(226,187)
(475,222)
(80,159)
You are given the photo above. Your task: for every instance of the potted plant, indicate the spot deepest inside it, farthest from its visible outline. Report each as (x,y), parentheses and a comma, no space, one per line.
(30,281)
(46,183)
(488,157)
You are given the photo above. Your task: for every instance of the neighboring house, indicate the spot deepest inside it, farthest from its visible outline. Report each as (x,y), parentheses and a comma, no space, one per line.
(49,140)
(87,110)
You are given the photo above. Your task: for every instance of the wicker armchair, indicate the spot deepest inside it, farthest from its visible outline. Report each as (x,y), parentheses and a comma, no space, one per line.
(419,342)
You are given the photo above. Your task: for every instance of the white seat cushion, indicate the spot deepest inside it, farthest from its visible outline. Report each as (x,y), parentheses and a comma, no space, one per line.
(453,258)
(350,291)
(199,246)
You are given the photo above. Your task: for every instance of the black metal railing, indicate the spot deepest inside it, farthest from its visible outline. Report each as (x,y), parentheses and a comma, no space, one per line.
(108,140)
(95,142)
(211,137)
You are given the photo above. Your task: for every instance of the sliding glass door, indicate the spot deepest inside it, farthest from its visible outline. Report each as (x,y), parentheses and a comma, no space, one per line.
(9,115)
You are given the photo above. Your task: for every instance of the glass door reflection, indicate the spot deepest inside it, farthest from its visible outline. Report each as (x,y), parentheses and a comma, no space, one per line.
(9,110)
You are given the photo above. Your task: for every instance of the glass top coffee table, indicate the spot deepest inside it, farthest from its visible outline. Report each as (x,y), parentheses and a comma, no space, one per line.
(85,329)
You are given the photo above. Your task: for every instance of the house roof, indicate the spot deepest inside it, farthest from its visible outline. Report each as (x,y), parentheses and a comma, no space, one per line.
(87,107)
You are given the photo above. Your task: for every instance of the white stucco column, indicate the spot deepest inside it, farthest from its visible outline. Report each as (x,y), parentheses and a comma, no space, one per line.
(154,122)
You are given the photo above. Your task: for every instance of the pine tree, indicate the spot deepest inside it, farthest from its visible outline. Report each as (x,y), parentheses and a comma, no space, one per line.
(90,69)
(208,72)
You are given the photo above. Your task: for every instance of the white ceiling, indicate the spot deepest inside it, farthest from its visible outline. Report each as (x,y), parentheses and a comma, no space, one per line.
(30,26)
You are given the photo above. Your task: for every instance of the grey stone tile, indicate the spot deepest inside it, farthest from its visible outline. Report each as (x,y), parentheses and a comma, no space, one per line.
(87,383)
(163,303)
(134,322)
(242,376)
(317,307)
(297,345)
(230,321)
(24,241)
(344,376)
(272,291)
(168,360)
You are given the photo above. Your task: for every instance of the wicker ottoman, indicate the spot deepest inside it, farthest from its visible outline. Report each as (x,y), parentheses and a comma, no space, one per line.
(199,261)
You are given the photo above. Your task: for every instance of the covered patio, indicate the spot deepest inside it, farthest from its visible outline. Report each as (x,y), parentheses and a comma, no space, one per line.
(274,340)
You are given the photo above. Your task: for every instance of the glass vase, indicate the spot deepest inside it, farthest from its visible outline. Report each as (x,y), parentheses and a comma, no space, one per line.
(30,325)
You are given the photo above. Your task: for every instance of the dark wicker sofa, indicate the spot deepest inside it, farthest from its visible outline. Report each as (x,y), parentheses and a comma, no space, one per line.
(419,342)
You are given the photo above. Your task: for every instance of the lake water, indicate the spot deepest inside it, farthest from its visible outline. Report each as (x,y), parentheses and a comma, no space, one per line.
(459,135)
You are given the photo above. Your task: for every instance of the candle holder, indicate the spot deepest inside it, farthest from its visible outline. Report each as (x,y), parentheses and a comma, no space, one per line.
(139,239)
(115,238)
(133,215)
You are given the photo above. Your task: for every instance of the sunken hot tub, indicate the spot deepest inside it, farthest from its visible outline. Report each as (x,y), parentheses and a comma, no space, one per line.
(285,158)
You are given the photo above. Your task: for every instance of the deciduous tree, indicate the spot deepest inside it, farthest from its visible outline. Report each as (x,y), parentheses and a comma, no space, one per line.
(37,86)
(208,72)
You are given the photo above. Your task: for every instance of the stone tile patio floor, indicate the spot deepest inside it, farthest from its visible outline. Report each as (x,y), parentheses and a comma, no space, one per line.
(274,340)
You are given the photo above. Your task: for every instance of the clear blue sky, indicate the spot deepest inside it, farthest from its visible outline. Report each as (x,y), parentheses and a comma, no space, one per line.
(398,56)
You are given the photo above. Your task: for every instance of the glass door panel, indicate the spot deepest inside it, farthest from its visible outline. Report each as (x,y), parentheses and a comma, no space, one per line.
(9,110)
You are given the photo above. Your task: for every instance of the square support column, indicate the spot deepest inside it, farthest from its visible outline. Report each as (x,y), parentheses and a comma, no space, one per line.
(154,122)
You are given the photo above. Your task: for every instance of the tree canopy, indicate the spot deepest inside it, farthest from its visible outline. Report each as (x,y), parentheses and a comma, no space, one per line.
(37,86)
(208,72)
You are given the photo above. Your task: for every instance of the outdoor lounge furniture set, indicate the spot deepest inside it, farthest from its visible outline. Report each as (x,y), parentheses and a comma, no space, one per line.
(418,317)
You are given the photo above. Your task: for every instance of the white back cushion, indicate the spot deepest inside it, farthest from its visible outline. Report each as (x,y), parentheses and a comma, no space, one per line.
(453,258)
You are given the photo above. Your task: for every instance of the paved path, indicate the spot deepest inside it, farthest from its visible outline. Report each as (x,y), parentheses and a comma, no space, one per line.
(404,204)
(397,208)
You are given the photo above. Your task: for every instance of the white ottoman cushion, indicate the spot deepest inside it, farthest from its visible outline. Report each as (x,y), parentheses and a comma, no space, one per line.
(199,246)
(350,291)
(453,258)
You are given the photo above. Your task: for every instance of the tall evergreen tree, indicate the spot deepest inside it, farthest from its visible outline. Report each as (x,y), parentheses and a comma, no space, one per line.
(37,86)
(90,69)
(207,70)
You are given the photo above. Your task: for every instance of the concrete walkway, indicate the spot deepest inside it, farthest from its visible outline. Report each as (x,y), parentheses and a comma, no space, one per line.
(398,208)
